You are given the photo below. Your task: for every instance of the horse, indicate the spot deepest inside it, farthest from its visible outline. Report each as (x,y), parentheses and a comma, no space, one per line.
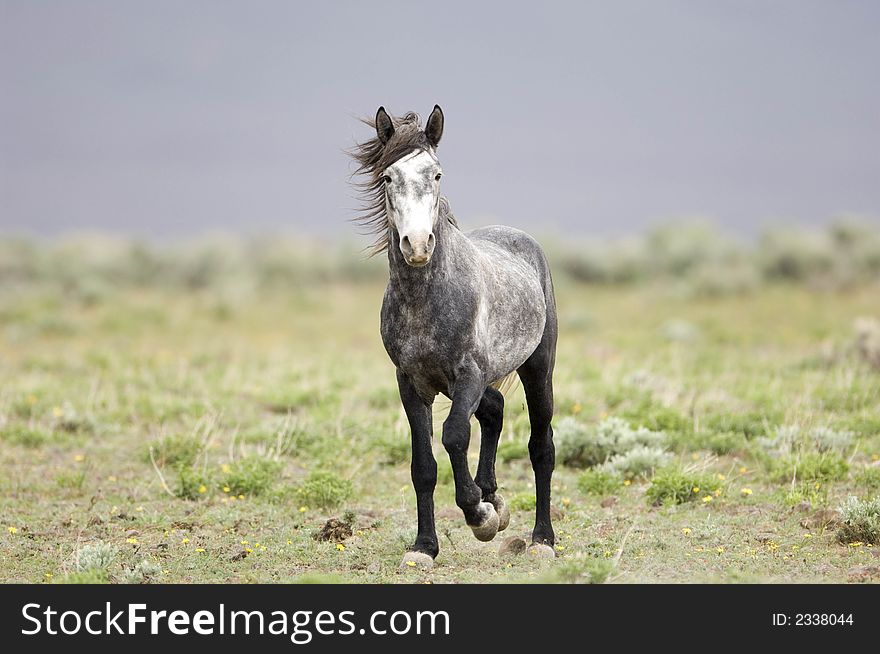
(462,313)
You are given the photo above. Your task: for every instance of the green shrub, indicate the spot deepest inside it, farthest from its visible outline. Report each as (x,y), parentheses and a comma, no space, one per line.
(513,451)
(324,489)
(192,483)
(809,467)
(522,502)
(95,556)
(92,576)
(860,521)
(143,573)
(579,446)
(598,482)
(637,462)
(394,451)
(251,475)
(71,480)
(174,451)
(675,486)
(581,570)
(869,478)
(25,436)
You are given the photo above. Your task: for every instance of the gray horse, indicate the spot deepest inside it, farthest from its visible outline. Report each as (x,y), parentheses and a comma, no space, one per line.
(462,312)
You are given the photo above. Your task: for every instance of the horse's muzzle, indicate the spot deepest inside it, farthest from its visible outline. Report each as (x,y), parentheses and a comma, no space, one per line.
(417,250)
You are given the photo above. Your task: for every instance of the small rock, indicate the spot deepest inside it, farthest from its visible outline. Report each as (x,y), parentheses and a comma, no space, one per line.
(131,532)
(540,551)
(764,536)
(511,546)
(416,561)
(608,502)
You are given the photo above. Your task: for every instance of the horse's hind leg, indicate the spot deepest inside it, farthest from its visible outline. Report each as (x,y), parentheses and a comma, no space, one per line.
(424,473)
(490,415)
(480,516)
(537,380)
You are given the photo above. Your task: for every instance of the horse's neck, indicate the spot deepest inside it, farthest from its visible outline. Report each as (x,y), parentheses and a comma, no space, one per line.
(450,256)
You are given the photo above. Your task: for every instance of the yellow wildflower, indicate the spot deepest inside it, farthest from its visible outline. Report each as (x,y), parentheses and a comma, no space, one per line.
(303,509)
(241,497)
(185,541)
(79,458)
(707,499)
(13,530)
(226,489)
(627,482)
(203,489)
(696,489)
(686,531)
(57,412)
(721,477)
(200,549)
(746,491)
(340,547)
(132,541)
(719,549)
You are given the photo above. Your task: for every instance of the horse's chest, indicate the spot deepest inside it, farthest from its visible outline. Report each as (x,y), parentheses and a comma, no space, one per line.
(426,342)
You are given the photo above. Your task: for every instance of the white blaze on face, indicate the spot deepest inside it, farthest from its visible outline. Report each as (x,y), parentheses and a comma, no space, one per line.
(412,192)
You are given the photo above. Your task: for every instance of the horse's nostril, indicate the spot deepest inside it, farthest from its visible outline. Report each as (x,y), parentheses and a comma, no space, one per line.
(431,240)
(405,244)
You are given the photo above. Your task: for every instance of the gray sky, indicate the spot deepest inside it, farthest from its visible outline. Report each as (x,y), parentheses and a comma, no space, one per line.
(165,118)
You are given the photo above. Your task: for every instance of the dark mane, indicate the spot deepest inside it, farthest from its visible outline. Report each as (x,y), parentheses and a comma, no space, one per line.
(372,158)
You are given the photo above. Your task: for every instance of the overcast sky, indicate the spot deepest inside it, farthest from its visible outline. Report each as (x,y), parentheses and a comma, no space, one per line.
(174,118)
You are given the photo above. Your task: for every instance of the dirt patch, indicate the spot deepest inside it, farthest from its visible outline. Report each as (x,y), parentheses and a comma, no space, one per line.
(823,519)
(863,573)
(334,530)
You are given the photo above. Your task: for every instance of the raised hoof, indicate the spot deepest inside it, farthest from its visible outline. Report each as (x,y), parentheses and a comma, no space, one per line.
(489,527)
(503,512)
(417,561)
(540,551)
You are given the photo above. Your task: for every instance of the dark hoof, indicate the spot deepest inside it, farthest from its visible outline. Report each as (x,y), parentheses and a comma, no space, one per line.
(540,551)
(417,561)
(502,510)
(488,527)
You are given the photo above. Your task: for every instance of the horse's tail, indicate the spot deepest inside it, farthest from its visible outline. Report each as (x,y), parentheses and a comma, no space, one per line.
(506,383)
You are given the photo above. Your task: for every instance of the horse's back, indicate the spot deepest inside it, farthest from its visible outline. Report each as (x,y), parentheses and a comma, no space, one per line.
(520,245)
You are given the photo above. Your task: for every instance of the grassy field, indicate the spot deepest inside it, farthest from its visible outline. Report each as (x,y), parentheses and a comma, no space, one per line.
(154,434)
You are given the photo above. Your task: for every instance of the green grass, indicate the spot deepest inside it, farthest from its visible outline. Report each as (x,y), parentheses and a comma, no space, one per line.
(282,393)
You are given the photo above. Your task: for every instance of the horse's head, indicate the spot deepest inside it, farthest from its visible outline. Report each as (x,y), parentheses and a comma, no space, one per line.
(412,189)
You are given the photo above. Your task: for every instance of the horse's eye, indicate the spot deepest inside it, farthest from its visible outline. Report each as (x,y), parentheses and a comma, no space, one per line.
(438,176)
(386,179)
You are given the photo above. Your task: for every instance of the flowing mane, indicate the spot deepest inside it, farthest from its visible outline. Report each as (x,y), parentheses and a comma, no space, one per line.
(373,157)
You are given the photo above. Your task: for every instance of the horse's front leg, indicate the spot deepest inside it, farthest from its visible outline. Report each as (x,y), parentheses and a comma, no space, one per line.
(480,516)
(424,474)
(490,415)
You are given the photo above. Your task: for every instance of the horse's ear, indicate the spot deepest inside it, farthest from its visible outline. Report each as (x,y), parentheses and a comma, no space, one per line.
(384,126)
(434,127)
